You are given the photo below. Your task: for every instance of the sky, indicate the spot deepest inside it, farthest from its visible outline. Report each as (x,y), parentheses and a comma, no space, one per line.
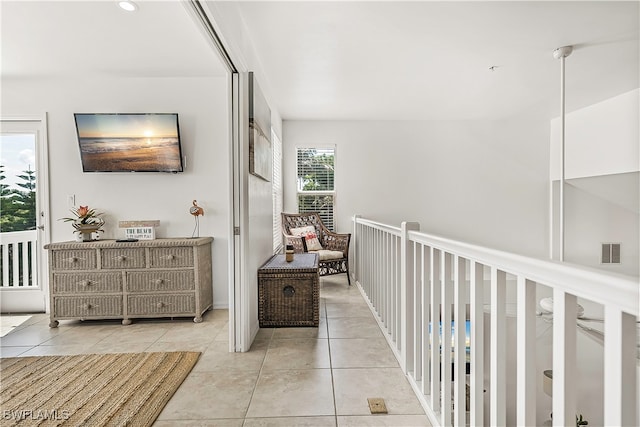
(126,125)
(17,154)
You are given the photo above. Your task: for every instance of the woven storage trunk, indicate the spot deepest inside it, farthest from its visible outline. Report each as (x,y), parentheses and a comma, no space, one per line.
(288,292)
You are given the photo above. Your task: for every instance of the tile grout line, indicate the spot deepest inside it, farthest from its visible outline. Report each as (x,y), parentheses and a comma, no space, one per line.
(255,384)
(333,384)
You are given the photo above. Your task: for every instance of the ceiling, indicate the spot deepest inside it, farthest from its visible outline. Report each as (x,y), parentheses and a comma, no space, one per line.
(97,38)
(365,60)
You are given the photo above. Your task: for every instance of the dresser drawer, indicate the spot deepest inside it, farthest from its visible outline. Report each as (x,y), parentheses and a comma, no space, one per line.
(167,304)
(89,306)
(123,258)
(71,283)
(171,257)
(74,259)
(160,280)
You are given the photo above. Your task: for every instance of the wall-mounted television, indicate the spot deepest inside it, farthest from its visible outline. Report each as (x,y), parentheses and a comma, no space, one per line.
(131,142)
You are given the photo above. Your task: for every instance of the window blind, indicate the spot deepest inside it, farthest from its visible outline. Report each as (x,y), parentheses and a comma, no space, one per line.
(316,183)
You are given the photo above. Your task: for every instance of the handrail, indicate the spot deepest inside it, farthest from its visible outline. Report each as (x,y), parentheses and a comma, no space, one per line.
(590,283)
(379,226)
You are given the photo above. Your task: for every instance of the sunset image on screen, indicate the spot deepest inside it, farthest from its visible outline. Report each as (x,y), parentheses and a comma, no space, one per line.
(129,142)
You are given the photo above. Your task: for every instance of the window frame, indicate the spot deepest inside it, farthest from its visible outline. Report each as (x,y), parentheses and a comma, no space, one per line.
(332,193)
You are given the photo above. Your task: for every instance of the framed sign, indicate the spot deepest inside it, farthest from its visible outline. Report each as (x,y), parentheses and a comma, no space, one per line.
(141,230)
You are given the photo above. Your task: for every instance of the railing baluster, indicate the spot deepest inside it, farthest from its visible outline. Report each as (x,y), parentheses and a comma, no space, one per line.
(477,344)
(526,352)
(5,264)
(460,317)
(406,285)
(370,264)
(385,283)
(34,263)
(25,264)
(426,294)
(498,408)
(15,280)
(435,330)
(417,310)
(392,287)
(376,268)
(620,390)
(564,358)
(355,242)
(396,290)
(445,316)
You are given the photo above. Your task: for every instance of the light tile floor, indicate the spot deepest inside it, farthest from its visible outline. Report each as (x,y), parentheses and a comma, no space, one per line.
(290,377)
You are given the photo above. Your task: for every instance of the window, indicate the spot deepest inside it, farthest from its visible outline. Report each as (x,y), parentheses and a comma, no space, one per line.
(277,192)
(316,187)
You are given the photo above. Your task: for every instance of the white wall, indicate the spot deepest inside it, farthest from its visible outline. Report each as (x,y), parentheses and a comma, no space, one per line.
(600,139)
(476,181)
(258,215)
(259,231)
(202,105)
(602,158)
(591,221)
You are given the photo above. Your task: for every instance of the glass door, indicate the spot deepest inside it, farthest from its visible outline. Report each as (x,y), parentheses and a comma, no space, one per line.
(21,217)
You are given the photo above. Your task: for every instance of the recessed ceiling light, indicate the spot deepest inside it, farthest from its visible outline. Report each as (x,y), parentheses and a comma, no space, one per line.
(127,5)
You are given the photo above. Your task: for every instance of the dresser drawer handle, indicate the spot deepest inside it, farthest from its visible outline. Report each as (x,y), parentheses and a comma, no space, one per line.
(159,282)
(122,258)
(86,283)
(87,306)
(160,305)
(74,259)
(171,257)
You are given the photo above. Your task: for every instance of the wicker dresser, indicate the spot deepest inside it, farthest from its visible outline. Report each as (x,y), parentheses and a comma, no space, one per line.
(288,292)
(126,280)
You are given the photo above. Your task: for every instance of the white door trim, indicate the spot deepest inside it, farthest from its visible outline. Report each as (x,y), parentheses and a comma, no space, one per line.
(42,193)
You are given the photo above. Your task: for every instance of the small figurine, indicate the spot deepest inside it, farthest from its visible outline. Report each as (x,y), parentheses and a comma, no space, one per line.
(196,211)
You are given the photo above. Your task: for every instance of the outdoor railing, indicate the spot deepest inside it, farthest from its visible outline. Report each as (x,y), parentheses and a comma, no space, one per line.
(413,280)
(18,259)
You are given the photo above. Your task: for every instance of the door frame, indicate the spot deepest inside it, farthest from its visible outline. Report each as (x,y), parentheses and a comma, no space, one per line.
(204,15)
(38,124)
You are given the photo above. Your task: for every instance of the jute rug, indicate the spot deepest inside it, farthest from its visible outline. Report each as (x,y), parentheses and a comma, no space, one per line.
(128,389)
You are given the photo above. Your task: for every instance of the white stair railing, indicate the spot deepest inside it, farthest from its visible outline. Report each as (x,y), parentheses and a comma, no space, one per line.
(412,280)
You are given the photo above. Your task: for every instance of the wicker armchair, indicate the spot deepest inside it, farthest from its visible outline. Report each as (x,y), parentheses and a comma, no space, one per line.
(334,255)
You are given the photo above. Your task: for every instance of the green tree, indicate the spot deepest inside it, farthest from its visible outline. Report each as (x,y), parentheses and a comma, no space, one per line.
(26,200)
(4,188)
(315,170)
(8,209)
(18,207)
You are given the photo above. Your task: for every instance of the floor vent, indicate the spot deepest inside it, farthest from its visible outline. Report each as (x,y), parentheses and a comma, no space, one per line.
(611,253)
(377,405)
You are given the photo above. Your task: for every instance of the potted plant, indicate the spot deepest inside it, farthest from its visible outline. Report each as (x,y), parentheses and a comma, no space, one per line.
(85,221)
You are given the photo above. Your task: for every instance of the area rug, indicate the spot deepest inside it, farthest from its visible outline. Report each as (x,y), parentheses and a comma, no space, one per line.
(128,389)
